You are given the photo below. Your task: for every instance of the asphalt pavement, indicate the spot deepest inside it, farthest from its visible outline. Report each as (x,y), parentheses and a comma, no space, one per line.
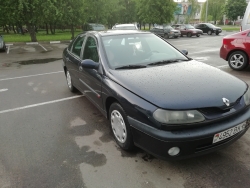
(51,138)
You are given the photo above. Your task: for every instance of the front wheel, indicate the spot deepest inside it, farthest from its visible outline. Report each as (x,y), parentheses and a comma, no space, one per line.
(238,60)
(217,33)
(166,36)
(198,35)
(189,34)
(69,82)
(209,32)
(120,127)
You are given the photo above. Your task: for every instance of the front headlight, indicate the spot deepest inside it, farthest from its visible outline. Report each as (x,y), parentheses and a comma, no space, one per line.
(178,117)
(247,97)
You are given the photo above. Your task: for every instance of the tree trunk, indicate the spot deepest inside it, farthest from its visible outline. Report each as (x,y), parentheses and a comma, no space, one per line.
(47,29)
(54,28)
(7,29)
(149,26)
(144,26)
(21,29)
(51,29)
(72,32)
(31,29)
(13,27)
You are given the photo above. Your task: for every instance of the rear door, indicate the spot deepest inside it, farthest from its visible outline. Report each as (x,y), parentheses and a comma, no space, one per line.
(73,59)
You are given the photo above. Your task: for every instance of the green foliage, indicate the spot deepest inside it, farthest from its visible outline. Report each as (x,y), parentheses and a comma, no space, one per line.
(233,8)
(215,9)
(195,8)
(159,12)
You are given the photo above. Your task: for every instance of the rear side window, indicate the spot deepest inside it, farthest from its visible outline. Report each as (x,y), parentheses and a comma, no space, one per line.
(77,46)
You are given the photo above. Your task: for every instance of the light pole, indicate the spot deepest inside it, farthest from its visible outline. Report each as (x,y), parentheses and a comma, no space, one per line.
(206,11)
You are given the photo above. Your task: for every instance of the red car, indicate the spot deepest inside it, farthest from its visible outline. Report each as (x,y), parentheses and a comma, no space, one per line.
(236,50)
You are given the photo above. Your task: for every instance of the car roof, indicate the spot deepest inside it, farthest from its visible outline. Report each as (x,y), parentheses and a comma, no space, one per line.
(116,32)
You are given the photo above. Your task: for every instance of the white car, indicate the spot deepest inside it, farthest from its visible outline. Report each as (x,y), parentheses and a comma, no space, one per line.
(245,24)
(125,27)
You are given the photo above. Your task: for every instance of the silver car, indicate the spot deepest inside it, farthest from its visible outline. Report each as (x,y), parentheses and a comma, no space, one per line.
(2,44)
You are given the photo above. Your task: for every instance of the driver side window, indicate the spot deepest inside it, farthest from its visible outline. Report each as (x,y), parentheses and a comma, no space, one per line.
(90,50)
(77,46)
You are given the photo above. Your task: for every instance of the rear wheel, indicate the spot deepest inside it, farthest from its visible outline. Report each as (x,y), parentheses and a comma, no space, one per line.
(238,60)
(189,34)
(120,127)
(69,82)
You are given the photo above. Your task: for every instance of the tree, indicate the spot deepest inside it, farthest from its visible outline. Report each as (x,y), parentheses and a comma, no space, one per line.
(215,9)
(233,9)
(159,12)
(195,7)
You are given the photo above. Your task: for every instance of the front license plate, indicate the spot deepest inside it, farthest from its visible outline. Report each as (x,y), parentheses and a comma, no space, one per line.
(229,132)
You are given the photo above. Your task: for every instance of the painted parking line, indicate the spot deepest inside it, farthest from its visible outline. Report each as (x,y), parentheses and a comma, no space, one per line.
(43,47)
(2,90)
(8,49)
(4,79)
(204,51)
(221,66)
(40,104)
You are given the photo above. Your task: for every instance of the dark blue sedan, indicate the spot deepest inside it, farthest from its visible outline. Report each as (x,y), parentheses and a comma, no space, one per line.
(155,96)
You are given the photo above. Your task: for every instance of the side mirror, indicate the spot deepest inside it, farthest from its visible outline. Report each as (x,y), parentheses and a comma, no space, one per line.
(89,64)
(185,52)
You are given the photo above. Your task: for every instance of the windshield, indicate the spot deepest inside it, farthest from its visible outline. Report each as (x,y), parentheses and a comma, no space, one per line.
(168,27)
(190,27)
(138,49)
(125,28)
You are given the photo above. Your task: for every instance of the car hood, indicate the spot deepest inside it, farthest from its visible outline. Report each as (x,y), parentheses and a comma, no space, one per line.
(174,30)
(183,85)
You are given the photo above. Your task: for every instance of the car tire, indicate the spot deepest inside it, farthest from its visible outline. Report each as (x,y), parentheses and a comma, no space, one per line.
(209,32)
(238,60)
(166,36)
(120,127)
(189,34)
(217,33)
(198,35)
(70,83)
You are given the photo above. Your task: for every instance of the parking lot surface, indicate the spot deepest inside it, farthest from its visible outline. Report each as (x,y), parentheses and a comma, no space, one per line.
(50,137)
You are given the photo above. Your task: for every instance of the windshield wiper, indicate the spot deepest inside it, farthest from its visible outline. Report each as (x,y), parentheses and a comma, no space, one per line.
(163,62)
(131,67)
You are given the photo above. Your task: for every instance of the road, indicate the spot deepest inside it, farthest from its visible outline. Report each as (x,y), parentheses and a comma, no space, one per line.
(51,138)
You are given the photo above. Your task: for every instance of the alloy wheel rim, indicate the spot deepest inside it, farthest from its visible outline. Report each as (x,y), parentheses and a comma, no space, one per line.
(237,61)
(118,126)
(69,80)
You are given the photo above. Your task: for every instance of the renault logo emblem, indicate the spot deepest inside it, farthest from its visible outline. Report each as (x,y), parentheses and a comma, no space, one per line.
(226,101)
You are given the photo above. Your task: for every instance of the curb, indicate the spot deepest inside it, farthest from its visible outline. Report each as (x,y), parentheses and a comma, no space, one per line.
(37,43)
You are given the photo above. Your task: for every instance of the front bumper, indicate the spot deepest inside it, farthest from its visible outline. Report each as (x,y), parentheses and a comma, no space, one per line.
(192,142)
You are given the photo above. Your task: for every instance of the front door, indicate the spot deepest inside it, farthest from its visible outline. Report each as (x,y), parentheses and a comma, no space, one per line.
(91,79)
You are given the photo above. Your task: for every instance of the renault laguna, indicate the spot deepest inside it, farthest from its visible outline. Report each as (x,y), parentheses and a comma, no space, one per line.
(156,97)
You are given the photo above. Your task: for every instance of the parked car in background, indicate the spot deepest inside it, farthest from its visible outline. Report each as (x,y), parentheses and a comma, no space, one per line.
(154,96)
(2,44)
(209,28)
(235,50)
(93,27)
(125,27)
(166,31)
(188,30)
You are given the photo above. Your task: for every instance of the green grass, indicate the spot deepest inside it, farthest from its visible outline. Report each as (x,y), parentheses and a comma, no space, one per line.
(230,27)
(41,36)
